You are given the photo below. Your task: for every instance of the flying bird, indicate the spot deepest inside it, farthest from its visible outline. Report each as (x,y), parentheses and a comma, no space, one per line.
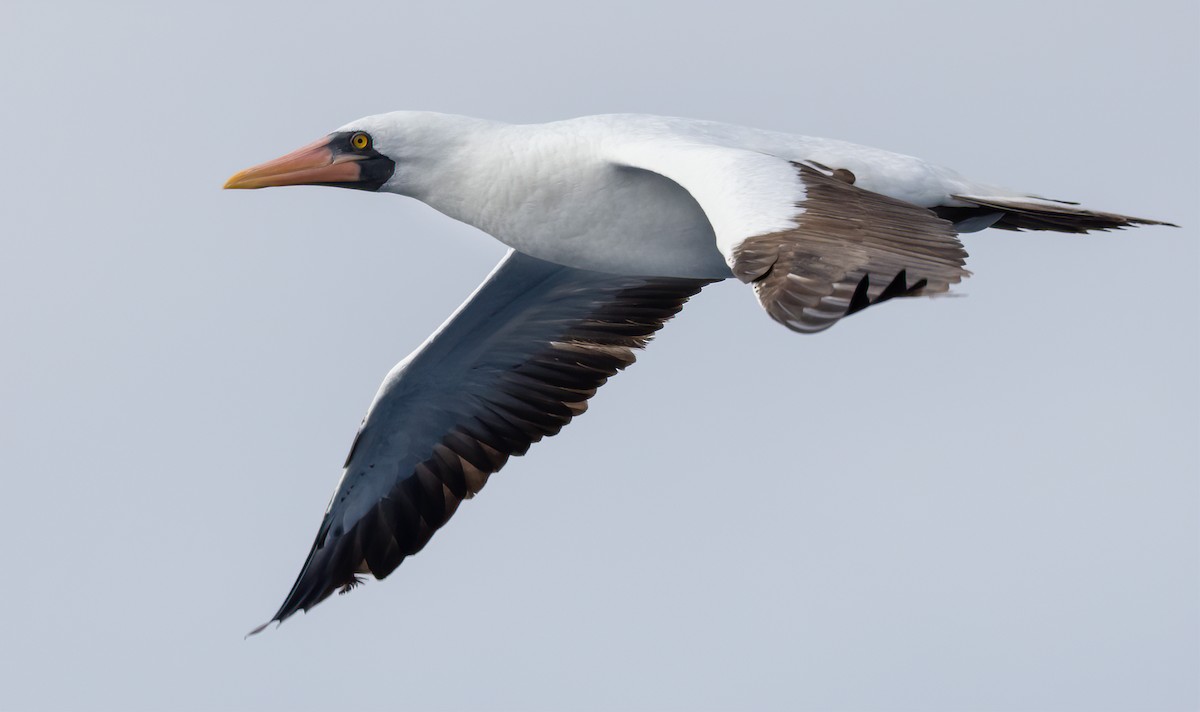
(613,223)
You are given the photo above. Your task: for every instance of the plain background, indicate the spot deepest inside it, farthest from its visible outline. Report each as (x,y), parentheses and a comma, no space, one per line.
(979,503)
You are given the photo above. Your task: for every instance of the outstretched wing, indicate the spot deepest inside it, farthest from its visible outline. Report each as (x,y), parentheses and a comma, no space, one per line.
(514,364)
(815,246)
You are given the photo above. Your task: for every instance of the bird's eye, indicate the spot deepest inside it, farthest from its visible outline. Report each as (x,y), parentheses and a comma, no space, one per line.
(360,141)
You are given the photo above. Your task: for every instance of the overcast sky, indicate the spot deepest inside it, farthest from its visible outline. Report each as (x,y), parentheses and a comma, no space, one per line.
(983,503)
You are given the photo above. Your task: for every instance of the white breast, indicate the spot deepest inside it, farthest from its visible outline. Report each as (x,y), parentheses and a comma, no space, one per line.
(549,192)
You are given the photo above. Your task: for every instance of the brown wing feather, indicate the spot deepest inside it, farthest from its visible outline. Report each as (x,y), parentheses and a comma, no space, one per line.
(851,248)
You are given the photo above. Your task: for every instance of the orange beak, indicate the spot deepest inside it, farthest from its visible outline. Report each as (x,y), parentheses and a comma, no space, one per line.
(315,164)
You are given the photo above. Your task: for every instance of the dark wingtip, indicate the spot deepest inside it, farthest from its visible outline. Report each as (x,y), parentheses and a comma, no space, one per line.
(260,628)
(1148,221)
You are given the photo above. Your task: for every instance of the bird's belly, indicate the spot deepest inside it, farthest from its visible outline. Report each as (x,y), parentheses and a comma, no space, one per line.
(618,220)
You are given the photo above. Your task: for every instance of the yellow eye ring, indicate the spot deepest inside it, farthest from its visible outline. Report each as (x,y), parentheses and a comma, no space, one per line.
(360,141)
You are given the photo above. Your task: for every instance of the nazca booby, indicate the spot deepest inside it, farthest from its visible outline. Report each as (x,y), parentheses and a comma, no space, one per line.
(613,222)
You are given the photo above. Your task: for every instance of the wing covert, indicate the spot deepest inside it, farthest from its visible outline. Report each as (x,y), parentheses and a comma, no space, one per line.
(815,246)
(850,249)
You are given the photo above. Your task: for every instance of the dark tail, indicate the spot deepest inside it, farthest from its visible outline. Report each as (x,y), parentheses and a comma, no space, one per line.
(1030,213)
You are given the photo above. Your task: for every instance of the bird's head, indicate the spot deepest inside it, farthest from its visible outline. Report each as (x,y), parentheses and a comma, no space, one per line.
(347,158)
(385,152)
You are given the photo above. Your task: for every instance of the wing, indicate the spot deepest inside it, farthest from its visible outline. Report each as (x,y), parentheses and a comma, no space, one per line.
(850,249)
(514,364)
(815,246)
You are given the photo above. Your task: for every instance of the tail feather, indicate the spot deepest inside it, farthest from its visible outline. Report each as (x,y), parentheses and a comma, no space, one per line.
(1030,213)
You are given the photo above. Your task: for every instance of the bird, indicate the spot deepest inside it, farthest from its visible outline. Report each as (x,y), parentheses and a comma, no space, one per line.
(612,222)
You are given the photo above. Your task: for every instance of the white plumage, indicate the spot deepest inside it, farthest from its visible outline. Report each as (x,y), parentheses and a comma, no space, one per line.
(564,191)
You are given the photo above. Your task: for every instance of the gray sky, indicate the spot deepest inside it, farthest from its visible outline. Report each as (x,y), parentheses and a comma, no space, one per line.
(995,507)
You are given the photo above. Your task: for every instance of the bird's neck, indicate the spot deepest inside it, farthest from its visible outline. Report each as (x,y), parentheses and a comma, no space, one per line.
(449,162)
(484,173)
